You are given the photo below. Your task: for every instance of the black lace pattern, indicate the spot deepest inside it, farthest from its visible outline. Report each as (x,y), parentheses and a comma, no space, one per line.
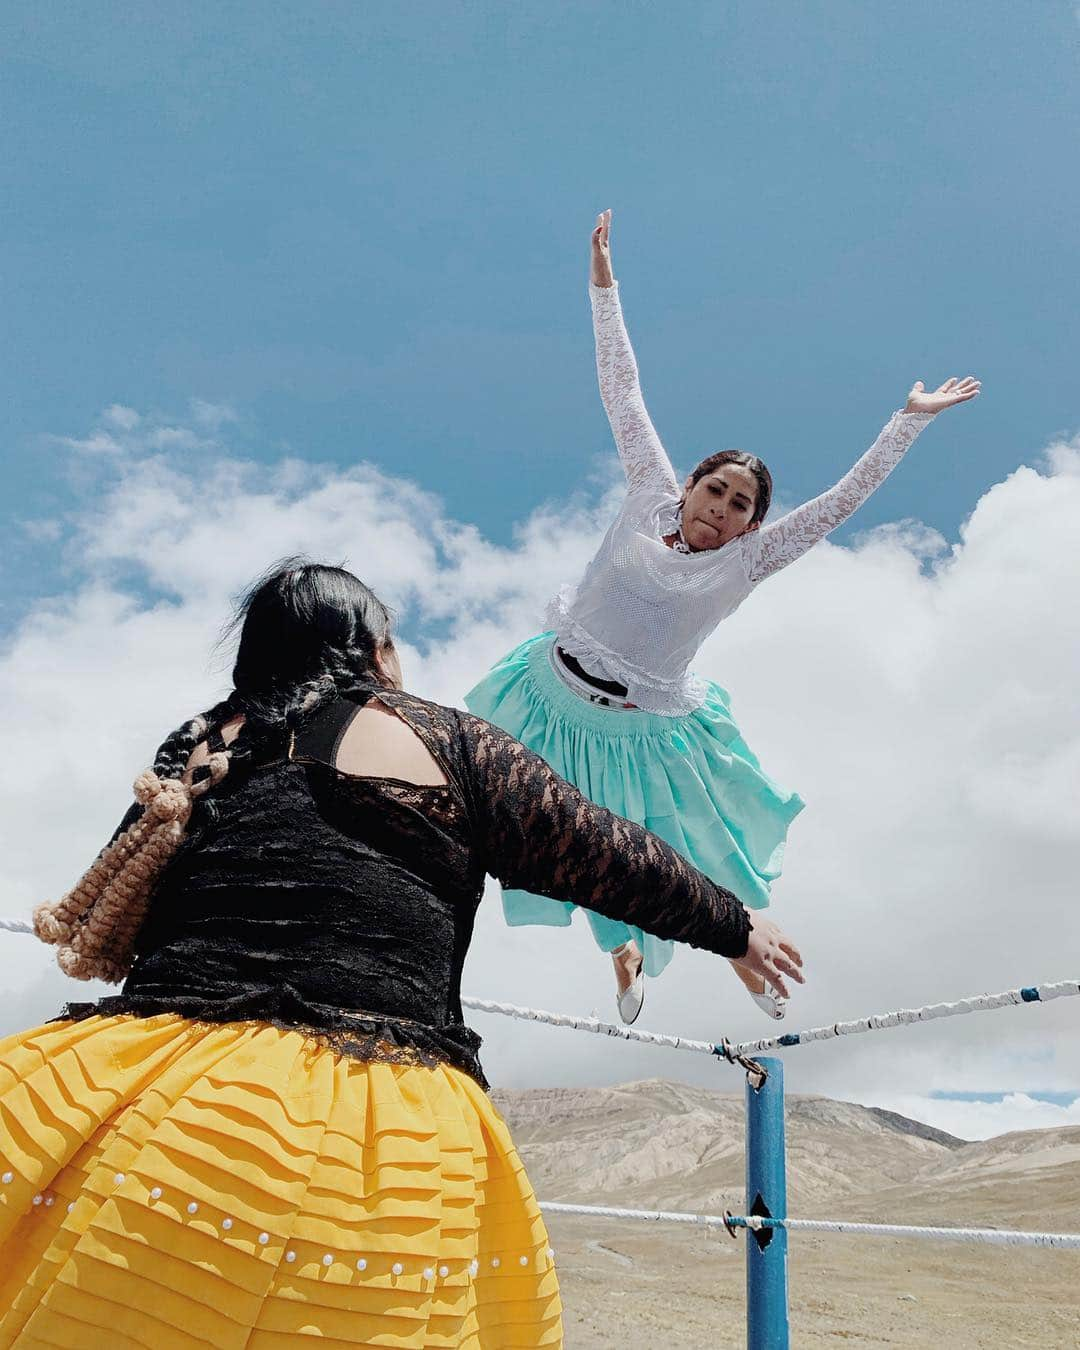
(344,906)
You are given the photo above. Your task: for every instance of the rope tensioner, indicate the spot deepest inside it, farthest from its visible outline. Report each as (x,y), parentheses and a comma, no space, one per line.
(756,1073)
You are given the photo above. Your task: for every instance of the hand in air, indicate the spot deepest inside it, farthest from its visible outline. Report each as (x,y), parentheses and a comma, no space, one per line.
(951,392)
(772,955)
(600,268)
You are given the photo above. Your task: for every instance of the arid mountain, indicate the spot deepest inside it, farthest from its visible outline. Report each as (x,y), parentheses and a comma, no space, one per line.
(666,1145)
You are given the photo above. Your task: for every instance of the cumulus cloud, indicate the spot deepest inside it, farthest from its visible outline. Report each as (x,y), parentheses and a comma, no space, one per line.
(97,443)
(213,415)
(920,694)
(984,1119)
(127,419)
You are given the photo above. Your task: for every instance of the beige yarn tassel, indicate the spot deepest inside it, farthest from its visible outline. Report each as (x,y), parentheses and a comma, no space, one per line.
(95,925)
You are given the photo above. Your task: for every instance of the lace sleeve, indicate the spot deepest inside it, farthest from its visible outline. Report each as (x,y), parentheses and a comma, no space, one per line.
(774,546)
(539,833)
(644,458)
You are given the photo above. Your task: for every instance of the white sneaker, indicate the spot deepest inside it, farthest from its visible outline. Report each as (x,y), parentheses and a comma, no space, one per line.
(770,1002)
(632,998)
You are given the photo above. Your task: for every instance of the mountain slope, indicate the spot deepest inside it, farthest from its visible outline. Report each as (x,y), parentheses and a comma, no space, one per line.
(665,1145)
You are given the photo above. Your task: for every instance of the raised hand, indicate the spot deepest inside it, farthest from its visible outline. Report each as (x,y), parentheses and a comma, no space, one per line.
(772,955)
(951,392)
(600,273)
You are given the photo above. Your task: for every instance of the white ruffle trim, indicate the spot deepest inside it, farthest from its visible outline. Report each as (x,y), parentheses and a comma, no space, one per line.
(669,698)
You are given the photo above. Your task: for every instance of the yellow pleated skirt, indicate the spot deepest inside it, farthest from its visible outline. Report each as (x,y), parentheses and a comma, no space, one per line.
(167,1183)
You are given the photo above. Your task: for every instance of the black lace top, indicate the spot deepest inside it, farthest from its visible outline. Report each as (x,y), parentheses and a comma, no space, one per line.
(344,905)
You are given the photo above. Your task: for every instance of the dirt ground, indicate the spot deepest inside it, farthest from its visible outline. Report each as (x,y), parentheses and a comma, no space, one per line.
(654,1289)
(657,1144)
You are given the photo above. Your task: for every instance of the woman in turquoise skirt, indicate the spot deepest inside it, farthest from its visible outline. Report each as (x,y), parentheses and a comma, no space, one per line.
(607,696)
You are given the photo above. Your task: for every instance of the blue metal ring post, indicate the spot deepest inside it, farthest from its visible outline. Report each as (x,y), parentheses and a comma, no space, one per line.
(766,1195)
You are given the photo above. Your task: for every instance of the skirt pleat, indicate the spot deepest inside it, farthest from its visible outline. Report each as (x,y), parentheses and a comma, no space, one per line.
(172,1183)
(691,779)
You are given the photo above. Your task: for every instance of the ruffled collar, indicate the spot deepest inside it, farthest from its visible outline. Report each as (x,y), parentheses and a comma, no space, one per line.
(669,522)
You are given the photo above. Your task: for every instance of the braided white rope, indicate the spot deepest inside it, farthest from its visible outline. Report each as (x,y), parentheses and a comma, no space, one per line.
(931,1012)
(1042,993)
(1038,993)
(588,1024)
(650,1215)
(902,1017)
(995,1237)
(992,1237)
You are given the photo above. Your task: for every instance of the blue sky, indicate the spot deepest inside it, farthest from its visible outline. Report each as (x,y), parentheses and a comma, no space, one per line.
(358,232)
(363,228)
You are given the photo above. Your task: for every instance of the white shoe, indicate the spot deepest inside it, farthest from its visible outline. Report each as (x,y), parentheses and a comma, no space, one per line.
(632,998)
(770,1002)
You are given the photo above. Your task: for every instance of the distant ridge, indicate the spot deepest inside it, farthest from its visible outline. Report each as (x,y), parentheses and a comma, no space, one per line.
(661,1144)
(918,1128)
(665,1145)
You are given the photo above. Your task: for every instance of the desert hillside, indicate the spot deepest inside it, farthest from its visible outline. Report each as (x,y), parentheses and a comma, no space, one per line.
(661,1144)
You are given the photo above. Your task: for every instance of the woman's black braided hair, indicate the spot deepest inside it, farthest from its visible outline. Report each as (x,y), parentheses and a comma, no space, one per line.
(306,629)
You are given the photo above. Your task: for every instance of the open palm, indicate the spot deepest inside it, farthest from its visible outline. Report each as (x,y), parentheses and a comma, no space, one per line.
(600,273)
(953,391)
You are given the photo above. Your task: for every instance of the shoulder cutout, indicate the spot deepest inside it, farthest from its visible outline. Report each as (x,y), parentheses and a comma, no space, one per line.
(378,743)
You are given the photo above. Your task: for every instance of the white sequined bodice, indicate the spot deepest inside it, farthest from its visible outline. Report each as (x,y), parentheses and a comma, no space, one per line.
(642,610)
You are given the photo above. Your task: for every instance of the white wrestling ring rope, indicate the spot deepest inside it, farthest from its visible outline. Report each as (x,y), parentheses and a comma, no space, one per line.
(929,1012)
(1035,993)
(994,1237)
(733,1052)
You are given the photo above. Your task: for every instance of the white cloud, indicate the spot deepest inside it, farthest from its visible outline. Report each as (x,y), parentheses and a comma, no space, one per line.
(98,443)
(43,531)
(923,698)
(125,434)
(212,415)
(175,438)
(983,1120)
(127,419)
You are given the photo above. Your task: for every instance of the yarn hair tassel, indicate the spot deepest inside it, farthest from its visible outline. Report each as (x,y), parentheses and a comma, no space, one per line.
(96,923)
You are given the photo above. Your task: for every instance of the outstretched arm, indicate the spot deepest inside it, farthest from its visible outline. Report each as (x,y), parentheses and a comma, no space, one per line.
(644,458)
(790,537)
(540,833)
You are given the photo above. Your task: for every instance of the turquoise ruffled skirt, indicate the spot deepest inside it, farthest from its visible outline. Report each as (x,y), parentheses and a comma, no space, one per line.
(692,780)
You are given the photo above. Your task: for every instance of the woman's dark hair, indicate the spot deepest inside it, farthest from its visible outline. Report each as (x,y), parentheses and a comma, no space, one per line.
(305,627)
(306,631)
(751,462)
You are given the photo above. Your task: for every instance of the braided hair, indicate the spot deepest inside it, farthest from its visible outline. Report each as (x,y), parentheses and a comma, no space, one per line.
(307,630)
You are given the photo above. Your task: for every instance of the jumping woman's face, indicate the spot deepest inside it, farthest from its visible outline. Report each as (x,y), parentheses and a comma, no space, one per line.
(719,507)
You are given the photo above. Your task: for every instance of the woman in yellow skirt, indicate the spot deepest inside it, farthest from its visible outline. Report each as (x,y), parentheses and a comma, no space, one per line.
(279,1127)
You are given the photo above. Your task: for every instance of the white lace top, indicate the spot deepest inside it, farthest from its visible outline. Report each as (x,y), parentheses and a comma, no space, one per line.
(642,610)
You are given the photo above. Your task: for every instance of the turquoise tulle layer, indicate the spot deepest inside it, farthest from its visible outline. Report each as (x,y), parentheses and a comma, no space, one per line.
(692,780)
